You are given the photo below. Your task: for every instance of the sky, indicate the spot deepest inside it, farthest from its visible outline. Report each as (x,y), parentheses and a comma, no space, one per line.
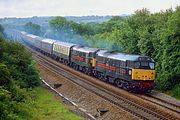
(29,8)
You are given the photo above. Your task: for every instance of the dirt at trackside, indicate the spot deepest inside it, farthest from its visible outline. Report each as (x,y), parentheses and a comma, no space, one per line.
(85,100)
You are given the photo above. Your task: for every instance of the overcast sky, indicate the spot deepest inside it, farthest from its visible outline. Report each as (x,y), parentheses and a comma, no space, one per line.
(29,8)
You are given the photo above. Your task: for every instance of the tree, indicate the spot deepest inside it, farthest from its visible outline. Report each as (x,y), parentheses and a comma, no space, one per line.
(60,24)
(1,29)
(170,65)
(1,32)
(33,28)
(4,75)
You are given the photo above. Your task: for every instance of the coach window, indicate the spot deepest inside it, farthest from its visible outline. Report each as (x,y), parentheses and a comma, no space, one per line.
(117,63)
(80,54)
(122,64)
(101,59)
(77,53)
(108,61)
(83,55)
(98,58)
(114,62)
(73,52)
(128,63)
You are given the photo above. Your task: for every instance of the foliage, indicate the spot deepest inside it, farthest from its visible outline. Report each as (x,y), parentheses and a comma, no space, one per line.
(7,105)
(59,23)
(175,92)
(32,28)
(17,75)
(20,64)
(1,29)
(4,75)
(1,32)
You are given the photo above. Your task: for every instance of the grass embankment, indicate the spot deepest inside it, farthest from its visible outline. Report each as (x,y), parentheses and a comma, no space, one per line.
(175,92)
(47,107)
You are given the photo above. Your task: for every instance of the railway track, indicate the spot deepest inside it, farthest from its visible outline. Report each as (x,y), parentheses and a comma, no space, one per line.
(170,105)
(140,110)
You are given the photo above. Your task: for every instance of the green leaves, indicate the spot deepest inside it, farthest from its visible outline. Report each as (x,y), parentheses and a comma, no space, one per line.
(1,29)
(32,28)
(60,24)
(17,75)
(4,75)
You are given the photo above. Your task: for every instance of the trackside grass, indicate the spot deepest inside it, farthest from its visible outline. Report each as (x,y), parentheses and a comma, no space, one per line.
(175,92)
(46,107)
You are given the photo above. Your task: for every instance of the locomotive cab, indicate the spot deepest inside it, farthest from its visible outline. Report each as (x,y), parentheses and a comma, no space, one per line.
(143,72)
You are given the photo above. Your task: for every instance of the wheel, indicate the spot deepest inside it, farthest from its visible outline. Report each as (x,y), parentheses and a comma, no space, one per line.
(118,83)
(125,86)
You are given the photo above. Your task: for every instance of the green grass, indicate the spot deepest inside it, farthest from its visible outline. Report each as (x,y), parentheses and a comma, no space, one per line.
(46,107)
(175,92)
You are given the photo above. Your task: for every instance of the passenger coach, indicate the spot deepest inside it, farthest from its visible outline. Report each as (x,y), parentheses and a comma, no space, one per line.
(62,51)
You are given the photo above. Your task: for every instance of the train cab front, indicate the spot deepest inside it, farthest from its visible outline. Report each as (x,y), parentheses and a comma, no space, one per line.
(143,75)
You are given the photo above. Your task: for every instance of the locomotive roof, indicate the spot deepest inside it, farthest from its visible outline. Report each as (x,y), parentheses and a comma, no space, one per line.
(119,56)
(50,41)
(102,53)
(22,32)
(85,49)
(124,56)
(39,38)
(32,36)
(64,44)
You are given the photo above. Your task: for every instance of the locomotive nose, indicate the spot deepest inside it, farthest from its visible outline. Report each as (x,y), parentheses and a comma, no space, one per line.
(141,74)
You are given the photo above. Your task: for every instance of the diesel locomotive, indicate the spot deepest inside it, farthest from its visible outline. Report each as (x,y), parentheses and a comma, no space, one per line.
(127,71)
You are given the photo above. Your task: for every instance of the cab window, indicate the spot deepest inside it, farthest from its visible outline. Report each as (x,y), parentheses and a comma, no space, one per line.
(90,55)
(136,64)
(144,64)
(151,65)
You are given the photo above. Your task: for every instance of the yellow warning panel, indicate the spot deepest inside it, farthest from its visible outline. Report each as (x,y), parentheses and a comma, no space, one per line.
(93,61)
(142,74)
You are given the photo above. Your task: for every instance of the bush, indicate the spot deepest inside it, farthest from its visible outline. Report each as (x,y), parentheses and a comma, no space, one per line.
(17,75)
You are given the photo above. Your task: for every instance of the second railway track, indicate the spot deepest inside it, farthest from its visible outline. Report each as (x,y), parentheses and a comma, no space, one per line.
(175,107)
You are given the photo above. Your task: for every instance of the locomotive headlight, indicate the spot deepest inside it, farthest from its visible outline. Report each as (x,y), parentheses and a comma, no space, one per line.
(130,72)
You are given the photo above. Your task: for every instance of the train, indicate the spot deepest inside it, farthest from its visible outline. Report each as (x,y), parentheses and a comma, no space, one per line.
(131,72)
